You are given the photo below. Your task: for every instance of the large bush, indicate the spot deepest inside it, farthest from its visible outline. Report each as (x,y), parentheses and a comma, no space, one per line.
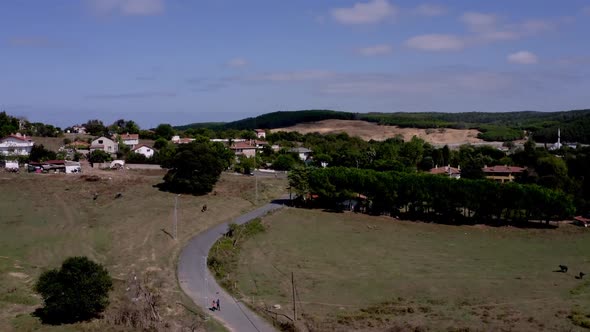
(78,291)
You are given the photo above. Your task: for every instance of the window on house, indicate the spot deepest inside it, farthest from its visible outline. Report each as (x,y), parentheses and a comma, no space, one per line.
(100,141)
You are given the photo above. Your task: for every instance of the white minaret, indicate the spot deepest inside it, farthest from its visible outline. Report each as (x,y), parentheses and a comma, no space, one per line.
(559,137)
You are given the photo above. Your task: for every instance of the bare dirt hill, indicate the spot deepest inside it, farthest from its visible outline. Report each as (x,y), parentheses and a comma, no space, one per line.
(368,131)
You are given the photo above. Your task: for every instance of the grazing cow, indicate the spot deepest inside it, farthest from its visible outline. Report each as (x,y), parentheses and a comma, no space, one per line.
(118,195)
(204,208)
(563,268)
(95,196)
(581,275)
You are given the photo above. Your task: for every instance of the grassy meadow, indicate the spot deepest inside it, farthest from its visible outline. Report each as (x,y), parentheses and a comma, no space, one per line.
(375,273)
(47,217)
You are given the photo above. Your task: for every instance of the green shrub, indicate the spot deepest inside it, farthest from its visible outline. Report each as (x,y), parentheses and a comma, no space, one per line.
(78,291)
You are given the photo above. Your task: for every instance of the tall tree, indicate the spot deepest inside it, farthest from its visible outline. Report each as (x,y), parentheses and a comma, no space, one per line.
(195,169)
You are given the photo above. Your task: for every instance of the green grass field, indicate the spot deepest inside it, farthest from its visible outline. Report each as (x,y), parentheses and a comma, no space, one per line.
(372,273)
(47,217)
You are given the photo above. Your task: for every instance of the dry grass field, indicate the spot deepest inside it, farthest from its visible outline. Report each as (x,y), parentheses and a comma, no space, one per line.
(47,217)
(357,272)
(373,131)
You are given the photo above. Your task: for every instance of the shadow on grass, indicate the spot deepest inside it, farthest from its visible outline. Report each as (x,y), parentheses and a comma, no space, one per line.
(49,318)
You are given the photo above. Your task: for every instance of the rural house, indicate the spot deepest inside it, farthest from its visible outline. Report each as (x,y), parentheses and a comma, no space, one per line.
(449,171)
(303,153)
(260,133)
(144,150)
(16,145)
(246,149)
(177,140)
(502,173)
(128,139)
(104,144)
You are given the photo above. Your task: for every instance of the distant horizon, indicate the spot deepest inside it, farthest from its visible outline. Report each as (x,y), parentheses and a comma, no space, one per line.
(109,122)
(179,62)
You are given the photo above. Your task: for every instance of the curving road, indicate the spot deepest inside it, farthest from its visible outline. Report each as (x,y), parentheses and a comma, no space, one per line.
(199,284)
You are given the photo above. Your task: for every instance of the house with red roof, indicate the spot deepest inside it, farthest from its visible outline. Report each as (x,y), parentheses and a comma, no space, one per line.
(128,139)
(502,173)
(247,149)
(260,133)
(16,145)
(449,171)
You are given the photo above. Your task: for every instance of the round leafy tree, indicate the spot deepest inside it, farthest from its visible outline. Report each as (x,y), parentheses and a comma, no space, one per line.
(78,291)
(196,167)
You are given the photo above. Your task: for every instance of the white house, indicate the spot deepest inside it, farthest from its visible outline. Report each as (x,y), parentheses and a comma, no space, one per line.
(177,140)
(104,144)
(128,139)
(16,145)
(145,150)
(303,153)
(260,133)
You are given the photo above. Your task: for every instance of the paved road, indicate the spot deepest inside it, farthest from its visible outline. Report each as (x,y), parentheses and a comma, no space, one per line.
(198,283)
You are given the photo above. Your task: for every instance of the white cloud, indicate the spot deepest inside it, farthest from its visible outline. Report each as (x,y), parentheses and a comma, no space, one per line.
(430,10)
(381,49)
(436,42)
(479,21)
(128,7)
(370,12)
(489,28)
(237,62)
(523,58)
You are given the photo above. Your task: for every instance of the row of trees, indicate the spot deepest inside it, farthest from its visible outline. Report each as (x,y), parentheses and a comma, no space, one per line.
(432,197)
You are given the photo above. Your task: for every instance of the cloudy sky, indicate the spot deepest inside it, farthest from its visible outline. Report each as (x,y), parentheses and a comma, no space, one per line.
(174,61)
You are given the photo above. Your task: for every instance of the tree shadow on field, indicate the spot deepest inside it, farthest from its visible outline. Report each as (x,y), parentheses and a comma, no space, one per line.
(48,318)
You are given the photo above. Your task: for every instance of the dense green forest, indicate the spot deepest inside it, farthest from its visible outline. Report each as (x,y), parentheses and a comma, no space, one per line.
(507,126)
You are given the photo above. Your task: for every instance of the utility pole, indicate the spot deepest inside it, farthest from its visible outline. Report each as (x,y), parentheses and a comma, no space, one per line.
(176,217)
(293,290)
(255,176)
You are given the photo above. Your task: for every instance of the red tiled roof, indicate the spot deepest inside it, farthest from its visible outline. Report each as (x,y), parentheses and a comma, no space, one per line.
(242,145)
(130,136)
(21,138)
(445,170)
(503,169)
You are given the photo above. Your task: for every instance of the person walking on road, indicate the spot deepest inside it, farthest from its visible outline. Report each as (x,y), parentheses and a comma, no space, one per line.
(218,306)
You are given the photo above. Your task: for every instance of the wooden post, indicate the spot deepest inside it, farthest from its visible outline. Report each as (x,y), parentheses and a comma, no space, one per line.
(293,290)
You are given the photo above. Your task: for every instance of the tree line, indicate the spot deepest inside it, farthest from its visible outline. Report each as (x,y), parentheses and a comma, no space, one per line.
(430,197)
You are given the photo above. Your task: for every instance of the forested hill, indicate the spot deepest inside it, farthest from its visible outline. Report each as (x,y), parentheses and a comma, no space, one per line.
(575,125)
(276,120)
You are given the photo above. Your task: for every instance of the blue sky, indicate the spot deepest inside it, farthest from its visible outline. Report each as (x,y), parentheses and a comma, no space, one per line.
(174,61)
